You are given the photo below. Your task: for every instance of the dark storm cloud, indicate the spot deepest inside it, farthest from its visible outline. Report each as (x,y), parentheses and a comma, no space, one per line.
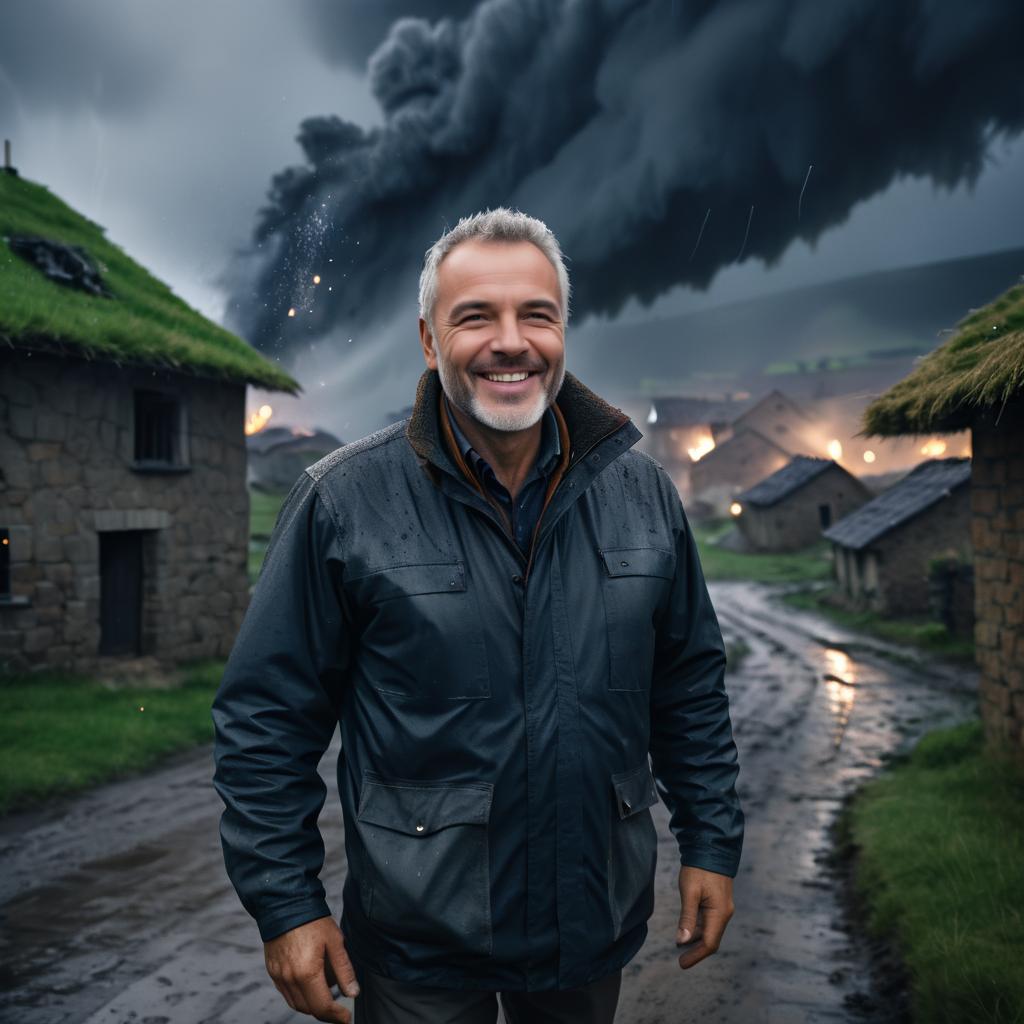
(73,55)
(622,123)
(348,31)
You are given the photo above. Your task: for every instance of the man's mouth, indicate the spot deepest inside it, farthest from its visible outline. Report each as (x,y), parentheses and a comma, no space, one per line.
(508,377)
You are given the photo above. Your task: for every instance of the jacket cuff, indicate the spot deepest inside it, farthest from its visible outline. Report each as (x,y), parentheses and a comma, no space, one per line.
(709,859)
(291,915)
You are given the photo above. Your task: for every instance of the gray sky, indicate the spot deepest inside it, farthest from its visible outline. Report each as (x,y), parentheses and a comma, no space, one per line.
(165,122)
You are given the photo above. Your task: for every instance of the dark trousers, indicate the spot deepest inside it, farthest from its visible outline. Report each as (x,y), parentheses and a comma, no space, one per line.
(386,1001)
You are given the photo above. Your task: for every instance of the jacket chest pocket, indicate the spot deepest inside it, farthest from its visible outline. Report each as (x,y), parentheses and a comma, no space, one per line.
(427,858)
(632,849)
(636,582)
(421,632)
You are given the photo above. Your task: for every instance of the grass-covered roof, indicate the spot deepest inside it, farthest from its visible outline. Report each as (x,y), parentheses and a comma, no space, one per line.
(981,367)
(144,322)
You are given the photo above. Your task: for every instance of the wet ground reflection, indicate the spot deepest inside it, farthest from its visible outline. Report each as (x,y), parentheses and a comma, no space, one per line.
(115,907)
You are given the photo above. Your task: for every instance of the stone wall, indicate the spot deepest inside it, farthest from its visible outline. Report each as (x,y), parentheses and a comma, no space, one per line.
(997,532)
(66,474)
(905,553)
(795,521)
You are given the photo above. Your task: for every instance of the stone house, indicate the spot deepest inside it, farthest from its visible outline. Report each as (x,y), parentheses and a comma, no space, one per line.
(884,550)
(789,509)
(975,380)
(777,417)
(681,429)
(123,501)
(731,467)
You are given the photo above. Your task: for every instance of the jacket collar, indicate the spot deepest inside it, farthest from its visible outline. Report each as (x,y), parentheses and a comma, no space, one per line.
(588,419)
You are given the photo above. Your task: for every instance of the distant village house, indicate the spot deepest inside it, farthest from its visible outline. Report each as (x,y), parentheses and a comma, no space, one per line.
(790,508)
(884,550)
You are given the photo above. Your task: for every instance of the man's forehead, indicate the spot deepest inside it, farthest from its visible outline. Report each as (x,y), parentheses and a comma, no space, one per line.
(495,266)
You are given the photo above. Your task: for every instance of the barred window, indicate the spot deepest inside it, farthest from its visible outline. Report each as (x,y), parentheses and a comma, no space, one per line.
(157,428)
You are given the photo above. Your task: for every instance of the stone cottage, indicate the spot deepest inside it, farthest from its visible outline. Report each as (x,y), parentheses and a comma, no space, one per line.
(789,509)
(884,550)
(681,429)
(123,499)
(976,380)
(731,467)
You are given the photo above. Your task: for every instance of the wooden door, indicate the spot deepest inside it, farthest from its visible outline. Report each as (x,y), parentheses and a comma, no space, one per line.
(121,592)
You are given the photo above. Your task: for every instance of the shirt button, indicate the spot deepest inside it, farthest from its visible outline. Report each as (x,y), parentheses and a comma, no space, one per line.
(517,578)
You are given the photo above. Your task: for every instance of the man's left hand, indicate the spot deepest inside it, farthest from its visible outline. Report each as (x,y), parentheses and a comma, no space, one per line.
(706,901)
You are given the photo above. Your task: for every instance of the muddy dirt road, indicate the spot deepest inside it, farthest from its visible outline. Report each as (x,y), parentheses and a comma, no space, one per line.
(115,908)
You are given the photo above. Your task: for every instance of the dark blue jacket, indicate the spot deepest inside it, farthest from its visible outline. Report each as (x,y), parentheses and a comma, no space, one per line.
(497,712)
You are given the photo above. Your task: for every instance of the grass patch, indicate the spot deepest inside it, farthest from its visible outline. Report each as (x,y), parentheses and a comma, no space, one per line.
(264,507)
(61,734)
(144,321)
(939,844)
(919,632)
(718,563)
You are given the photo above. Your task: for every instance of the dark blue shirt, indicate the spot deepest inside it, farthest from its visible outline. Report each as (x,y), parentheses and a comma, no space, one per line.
(525,510)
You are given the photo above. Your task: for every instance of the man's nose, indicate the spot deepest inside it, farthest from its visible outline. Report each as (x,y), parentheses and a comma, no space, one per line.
(509,336)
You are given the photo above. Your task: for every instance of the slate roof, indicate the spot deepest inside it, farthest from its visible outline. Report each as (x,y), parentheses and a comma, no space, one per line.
(801,469)
(921,488)
(689,411)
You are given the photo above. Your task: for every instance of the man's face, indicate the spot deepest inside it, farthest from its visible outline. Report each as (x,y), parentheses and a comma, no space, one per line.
(500,344)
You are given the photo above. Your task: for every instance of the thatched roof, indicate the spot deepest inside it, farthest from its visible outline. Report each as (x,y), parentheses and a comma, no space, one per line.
(981,367)
(127,316)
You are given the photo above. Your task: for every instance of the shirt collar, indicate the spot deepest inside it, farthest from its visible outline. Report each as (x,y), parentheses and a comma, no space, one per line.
(547,455)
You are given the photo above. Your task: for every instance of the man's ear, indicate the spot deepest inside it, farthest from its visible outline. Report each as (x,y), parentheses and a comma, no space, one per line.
(427,343)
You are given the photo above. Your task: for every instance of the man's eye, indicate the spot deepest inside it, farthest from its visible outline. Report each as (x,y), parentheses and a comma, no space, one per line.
(537,312)
(471,316)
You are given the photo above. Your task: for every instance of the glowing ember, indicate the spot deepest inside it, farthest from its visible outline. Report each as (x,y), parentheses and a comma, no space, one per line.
(835,450)
(704,444)
(258,419)
(291,312)
(869,456)
(933,448)
(316,279)
(735,508)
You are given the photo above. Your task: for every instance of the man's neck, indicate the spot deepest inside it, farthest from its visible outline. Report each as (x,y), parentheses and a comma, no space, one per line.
(510,453)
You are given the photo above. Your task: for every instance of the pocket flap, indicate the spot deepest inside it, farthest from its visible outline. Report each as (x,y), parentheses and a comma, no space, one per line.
(422,809)
(406,580)
(638,562)
(634,790)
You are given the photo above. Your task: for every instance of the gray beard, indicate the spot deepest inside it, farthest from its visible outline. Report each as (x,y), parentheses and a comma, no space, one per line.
(460,395)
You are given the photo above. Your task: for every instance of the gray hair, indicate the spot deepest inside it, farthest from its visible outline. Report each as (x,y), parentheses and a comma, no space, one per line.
(498,225)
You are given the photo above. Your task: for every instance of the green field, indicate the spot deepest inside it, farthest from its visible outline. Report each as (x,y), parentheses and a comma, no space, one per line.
(61,734)
(811,564)
(938,848)
(263,510)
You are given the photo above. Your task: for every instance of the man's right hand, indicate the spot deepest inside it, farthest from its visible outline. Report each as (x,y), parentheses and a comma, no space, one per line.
(304,962)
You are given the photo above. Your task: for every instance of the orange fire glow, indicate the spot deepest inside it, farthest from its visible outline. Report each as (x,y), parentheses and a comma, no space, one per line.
(705,443)
(835,449)
(933,448)
(258,419)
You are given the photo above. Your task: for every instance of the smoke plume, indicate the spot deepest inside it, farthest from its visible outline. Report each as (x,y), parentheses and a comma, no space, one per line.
(660,139)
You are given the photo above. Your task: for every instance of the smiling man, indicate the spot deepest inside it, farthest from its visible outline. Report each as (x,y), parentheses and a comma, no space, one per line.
(500,601)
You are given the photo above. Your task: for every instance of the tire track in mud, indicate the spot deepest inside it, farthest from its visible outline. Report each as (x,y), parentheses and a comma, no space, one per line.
(114,907)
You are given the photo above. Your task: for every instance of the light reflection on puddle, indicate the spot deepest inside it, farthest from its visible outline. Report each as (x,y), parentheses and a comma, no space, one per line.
(840,678)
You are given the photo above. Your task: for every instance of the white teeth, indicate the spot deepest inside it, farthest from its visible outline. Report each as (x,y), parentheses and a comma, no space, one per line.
(506,378)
